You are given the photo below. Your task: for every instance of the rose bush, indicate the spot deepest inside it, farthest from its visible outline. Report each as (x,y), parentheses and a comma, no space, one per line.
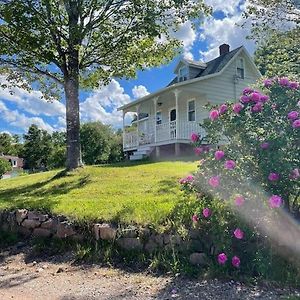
(248,173)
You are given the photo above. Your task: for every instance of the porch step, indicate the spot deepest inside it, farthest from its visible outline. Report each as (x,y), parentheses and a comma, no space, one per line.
(141,153)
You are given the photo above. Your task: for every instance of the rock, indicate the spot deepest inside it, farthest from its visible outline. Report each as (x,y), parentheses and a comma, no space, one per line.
(159,239)
(194,234)
(78,237)
(50,224)
(167,239)
(198,259)
(24,231)
(144,233)
(37,216)
(130,243)
(195,245)
(129,232)
(64,230)
(97,231)
(106,232)
(41,232)
(21,214)
(11,221)
(30,224)
(150,246)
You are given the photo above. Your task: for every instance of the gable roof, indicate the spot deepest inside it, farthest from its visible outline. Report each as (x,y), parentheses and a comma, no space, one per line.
(211,67)
(216,67)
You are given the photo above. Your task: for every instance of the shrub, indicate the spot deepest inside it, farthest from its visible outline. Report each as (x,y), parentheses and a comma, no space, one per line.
(249,175)
(5,166)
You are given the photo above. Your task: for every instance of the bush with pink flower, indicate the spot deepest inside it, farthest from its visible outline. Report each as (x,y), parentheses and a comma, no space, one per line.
(249,174)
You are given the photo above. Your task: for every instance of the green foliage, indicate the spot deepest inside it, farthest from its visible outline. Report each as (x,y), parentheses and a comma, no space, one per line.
(10,145)
(37,148)
(5,166)
(100,144)
(278,54)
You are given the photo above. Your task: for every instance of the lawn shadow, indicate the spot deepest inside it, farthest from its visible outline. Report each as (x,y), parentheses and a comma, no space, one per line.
(38,195)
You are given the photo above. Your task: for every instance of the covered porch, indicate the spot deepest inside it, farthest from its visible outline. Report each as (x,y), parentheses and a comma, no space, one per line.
(160,120)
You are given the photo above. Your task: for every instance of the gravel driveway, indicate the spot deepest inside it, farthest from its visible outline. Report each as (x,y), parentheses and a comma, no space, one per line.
(24,279)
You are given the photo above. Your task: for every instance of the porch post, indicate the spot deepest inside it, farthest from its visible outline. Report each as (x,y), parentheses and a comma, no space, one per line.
(137,122)
(176,93)
(155,112)
(124,113)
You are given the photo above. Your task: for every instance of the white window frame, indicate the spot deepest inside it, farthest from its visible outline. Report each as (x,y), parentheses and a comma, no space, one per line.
(188,111)
(184,77)
(242,61)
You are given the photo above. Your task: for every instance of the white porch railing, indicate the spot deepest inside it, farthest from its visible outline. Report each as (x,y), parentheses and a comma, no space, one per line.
(164,132)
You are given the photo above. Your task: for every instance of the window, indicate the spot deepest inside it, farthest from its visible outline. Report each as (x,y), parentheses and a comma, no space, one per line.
(240,71)
(158,117)
(183,74)
(14,163)
(191,111)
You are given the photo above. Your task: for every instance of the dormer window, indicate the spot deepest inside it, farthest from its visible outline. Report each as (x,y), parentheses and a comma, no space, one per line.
(240,71)
(183,74)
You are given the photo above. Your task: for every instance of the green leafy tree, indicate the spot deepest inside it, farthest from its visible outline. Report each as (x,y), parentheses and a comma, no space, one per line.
(5,166)
(57,156)
(84,43)
(5,143)
(99,144)
(37,148)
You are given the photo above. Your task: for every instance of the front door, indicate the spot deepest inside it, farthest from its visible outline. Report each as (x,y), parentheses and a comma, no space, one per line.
(173,123)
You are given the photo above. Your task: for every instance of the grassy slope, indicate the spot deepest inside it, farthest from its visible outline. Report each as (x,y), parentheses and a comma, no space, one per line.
(141,193)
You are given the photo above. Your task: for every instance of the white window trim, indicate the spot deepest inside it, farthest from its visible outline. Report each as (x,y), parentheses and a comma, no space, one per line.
(169,116)
(237,66)
(187,109)
(187,75)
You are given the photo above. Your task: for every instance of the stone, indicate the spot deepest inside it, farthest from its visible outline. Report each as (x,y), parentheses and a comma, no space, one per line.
(107,232)
(37,216)
(41,232)
(21,214)
(97,231)
(130,243)
(167,239)
(194,234)
(159,239)
(130,232)
(64,230)
(198,259)
(50,224)
(31,224)
(78,237)
(24,231)
(150,246)
(11,221)
(195,245)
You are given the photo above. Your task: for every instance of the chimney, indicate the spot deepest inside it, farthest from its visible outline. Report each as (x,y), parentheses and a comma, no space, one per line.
(224,48)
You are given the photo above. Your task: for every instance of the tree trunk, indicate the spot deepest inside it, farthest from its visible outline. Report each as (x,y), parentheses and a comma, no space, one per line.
(73,123)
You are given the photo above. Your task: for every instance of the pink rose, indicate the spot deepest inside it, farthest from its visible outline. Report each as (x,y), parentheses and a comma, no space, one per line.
(214,181)
(283,81)
(268,83)
(293,115)
(222,258)
(294,85)
(255,96)
(296,123)
(236,261)
(194,137)
(238,233)
(295,174)
(257,107)
(245,99)
(239,200)
(219,154)
(247,91)
(198,150)
(206,212)
(237,107)
(264,98)
(195,218)
(275,201)
(223,108)
(214,114)
(273,176)
(229,164)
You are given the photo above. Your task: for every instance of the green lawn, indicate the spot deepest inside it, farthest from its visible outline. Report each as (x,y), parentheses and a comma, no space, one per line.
(144,193)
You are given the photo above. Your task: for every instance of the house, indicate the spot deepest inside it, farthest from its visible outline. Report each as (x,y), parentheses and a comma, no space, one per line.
(17,164)
(165,119)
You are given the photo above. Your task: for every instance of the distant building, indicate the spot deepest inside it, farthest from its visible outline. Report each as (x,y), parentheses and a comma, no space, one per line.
(17,164)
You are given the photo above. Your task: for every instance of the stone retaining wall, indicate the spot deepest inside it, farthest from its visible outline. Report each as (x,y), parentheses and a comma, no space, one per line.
(36,224)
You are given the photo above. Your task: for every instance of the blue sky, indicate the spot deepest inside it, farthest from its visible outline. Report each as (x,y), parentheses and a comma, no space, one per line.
(19,111)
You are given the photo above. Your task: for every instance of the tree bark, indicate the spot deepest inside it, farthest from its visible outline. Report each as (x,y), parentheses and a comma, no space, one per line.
(73,123)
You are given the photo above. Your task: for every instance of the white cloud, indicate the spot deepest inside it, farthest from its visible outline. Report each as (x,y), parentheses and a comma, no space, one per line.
(31,102)
(16,119)
(226,6)
(102,104)
(217,32)
(187,35)
(139,91)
